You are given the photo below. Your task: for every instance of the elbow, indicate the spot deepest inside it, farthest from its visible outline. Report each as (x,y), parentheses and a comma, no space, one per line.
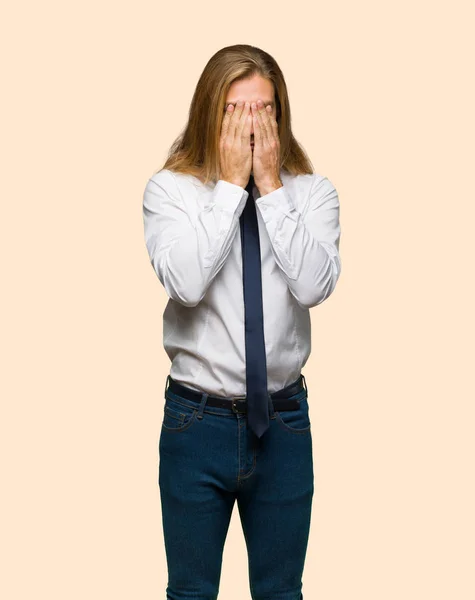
(178,288)
(311,296)
(324,292)
(187,295)
(189,300)
(177,279)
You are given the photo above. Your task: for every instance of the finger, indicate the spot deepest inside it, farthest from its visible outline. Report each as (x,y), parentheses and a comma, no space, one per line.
(260,110)
(234,123)
(274,126)
(265,113)
(246,132)
(257,129)
(226,120)
(243,120)
(271,127)
(234,130)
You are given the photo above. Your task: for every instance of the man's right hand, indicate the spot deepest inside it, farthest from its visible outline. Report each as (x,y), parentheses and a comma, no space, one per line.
(235,144)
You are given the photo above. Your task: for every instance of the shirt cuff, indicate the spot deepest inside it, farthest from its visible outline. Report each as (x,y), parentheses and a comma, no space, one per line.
(278,199)
(230,197)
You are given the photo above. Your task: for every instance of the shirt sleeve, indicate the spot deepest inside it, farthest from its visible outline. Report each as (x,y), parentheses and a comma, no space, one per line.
(187,254)
(305,245)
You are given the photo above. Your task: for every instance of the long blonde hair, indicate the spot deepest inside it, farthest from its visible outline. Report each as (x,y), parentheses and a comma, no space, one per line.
(196,150)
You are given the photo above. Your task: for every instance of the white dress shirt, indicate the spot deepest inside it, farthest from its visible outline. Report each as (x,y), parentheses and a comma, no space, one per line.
(193,238)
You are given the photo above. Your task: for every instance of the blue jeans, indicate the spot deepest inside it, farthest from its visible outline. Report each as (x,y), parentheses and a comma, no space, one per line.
(208,459)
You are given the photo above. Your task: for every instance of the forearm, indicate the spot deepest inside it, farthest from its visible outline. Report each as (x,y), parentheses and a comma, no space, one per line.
(186,255)
(305,246)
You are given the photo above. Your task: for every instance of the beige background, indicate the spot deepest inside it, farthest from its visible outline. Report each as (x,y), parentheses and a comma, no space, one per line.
(93,95)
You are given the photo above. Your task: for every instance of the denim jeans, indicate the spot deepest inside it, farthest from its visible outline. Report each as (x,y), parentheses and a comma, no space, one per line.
(208,459)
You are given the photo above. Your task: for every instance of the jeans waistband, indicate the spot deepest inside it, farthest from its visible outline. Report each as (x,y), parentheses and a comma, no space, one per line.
(281,399)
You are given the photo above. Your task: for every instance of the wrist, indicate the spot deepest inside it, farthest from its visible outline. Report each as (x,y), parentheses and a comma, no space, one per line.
(234,181)
(269,186)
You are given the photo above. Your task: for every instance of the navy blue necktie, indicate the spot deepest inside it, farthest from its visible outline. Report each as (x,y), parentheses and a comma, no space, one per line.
(256,367)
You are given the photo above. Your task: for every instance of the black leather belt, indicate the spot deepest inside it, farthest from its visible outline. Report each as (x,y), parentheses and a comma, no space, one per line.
(280,399)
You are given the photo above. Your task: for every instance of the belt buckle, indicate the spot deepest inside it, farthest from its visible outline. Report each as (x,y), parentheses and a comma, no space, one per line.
(234,406)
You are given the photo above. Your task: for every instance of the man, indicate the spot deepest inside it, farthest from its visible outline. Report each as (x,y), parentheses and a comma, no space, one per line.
(242,259)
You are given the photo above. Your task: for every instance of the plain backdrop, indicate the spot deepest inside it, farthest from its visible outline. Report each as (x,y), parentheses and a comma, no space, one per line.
(382,97)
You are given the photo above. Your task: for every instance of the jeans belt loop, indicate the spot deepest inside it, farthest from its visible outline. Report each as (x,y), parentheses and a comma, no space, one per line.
(204,398)
(304,382)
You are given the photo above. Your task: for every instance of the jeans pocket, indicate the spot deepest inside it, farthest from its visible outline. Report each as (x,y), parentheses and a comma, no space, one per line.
(177,416)
(296,420)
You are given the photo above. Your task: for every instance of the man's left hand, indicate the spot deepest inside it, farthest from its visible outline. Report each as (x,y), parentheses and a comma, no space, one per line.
(266,154)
